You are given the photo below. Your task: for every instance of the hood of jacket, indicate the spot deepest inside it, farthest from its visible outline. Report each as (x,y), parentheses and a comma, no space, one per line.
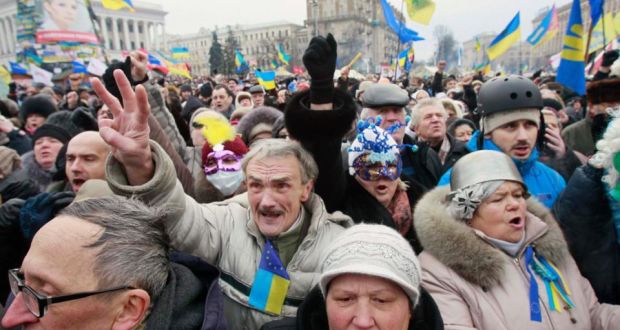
(456,245)
(524,166)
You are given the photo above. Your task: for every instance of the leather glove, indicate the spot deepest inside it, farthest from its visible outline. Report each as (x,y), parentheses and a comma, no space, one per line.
(320,61)
(9,213)
(609,57)
(38,210)
(19,189)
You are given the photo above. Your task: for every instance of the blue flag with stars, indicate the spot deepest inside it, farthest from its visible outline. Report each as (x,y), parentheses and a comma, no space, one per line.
(270,282)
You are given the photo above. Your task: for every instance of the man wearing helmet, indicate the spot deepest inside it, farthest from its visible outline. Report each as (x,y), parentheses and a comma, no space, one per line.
(511,122)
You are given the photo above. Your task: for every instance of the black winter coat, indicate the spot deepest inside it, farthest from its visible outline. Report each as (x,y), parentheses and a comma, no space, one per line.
(312,315)
(321,133)
(585,216)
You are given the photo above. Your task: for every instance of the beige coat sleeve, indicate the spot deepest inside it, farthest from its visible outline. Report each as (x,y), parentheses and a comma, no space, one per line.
(193,228)
(602,316)
(454,310)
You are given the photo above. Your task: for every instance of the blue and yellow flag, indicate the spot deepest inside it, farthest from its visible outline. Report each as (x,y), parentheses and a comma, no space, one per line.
(571,72)
(16,68)
(240,62)
(421,11)
(282,55)
(273,64)
(117,4)
(603,33)
(180,52)
(478,45)
(266,79)
(546,30)
(399,27)
(596,10)
(78,67)
(402,57)
(270,282)
(5,79)
(510,35)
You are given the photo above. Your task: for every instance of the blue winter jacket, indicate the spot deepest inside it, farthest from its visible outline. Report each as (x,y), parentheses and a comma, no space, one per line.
(542,182)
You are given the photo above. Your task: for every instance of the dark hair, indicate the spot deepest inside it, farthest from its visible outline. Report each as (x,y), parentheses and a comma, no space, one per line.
(222,86)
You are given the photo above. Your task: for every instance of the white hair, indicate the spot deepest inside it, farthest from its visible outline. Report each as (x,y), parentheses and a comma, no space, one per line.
(607,148)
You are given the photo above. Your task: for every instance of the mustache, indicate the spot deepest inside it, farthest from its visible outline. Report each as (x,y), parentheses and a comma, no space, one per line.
(270,211)
(521,144)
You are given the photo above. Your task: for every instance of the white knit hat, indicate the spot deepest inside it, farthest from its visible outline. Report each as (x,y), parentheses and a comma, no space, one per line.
(374,141)
(374,250)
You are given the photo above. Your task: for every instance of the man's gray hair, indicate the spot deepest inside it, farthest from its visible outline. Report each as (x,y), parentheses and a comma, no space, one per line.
(416,113)
(267,148)
(133,245)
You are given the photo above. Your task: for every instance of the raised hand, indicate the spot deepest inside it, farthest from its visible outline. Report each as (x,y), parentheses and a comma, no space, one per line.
(128,132)
(139,61)
(320,60)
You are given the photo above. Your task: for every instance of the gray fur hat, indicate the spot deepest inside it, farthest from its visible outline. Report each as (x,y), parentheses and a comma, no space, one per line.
(259,120)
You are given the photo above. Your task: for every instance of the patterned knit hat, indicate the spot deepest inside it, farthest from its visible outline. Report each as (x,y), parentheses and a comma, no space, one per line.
(374,250)
(374,141)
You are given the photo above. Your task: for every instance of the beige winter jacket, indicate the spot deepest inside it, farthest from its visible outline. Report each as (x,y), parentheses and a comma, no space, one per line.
(478,286)
(224,234)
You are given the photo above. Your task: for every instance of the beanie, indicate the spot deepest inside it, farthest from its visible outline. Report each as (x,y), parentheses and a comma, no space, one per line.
(38,104)
(497,119)
(373,140)
(258,121)
(374,250)
(50,130)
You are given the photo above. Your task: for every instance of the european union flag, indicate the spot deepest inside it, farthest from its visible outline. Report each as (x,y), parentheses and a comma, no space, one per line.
(270,282)
(404,33)
(16,68)
(571,72)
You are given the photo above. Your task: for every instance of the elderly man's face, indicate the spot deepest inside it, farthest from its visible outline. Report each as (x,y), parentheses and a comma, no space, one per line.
(259,99)
(432,125)
(59,263)
(390,116)
(46,150)
(86,155)
(276,193)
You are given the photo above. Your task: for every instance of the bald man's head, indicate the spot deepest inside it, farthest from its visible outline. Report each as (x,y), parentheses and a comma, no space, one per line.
(86,155)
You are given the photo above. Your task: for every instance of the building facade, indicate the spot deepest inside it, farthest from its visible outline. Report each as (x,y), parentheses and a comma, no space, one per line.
(119,29)
(256,42)
(358,26)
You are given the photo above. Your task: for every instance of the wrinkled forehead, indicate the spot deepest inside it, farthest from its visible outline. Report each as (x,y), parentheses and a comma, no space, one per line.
(274,168)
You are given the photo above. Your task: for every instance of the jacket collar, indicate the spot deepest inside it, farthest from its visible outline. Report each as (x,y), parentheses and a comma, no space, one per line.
(456,245)
(524,166)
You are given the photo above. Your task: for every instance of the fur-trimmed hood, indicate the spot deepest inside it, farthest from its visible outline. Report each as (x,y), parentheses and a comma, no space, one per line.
(456,245)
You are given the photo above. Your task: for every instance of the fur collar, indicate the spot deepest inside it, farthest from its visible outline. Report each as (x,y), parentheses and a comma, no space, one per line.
(456,245)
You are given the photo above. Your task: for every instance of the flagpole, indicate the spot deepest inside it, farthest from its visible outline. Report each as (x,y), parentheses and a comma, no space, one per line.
(400,31)
(97,28)
(588,43)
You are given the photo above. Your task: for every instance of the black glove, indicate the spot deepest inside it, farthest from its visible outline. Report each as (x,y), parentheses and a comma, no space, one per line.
(19,189)
(9,213)
(38,210)
(110,82)
(320,61)
(609,57)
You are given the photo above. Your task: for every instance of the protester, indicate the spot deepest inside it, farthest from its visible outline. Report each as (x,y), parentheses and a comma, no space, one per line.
(90,251)
(428,119)
(257,124)
(513,126)
(258,95)
(279,211)
(34,110)
(354,276)
(462,129)
(493,259)
(222,100)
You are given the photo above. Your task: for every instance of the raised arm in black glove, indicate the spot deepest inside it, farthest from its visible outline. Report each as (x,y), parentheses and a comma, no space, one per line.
(320,61)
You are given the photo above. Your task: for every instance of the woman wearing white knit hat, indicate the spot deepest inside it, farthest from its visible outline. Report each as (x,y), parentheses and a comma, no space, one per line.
(370,279)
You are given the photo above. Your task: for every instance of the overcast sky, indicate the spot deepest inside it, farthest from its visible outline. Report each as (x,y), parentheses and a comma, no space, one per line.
(465,18)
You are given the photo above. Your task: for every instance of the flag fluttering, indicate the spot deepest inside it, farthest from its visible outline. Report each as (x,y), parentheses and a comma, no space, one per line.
(41,76)
(402,57)
(240,62)
(17,68)
(546,30)
(270,282)
(118,4)
(78,67)
(478,45)
(421,11)
(503,42)
(266,79)
(404,33)
(180,52)
(596,10)
(603,33)
(571,72)
(282,55)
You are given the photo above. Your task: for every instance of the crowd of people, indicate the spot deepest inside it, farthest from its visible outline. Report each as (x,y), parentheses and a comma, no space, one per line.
(466,202)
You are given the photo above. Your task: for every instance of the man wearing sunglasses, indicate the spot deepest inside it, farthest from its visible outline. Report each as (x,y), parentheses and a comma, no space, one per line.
(104,263)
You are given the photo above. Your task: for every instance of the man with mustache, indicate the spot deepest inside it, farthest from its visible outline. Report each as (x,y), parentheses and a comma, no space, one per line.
(510,109)
(279,225)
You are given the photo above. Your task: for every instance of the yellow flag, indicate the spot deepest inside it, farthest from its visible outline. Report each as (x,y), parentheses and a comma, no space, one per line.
(597,40)
(421,11)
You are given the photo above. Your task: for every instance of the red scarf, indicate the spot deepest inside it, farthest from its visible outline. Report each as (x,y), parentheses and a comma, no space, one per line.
(401,211)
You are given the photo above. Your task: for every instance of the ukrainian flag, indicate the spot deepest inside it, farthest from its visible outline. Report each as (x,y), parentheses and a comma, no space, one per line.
(510,35)
(402,57)
(270,282)
(266,79)
(117,4)
(17,68)
(239,61)
(546,30)
(478,45)
(282,55)
(571,72)
(273,64)
(180,52)
(5,79)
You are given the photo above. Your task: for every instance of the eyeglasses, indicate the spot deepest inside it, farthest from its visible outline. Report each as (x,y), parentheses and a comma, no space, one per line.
(197,125)
(38,303)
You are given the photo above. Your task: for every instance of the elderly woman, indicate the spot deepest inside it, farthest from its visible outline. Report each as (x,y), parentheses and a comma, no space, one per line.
(495,260)
(370,279)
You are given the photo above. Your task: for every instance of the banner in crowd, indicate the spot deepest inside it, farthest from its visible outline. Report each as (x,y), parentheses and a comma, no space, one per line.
(571,72)
(55,31)
(546,30)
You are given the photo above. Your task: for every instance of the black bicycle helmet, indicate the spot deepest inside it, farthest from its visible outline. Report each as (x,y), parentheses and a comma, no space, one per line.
(507,93)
